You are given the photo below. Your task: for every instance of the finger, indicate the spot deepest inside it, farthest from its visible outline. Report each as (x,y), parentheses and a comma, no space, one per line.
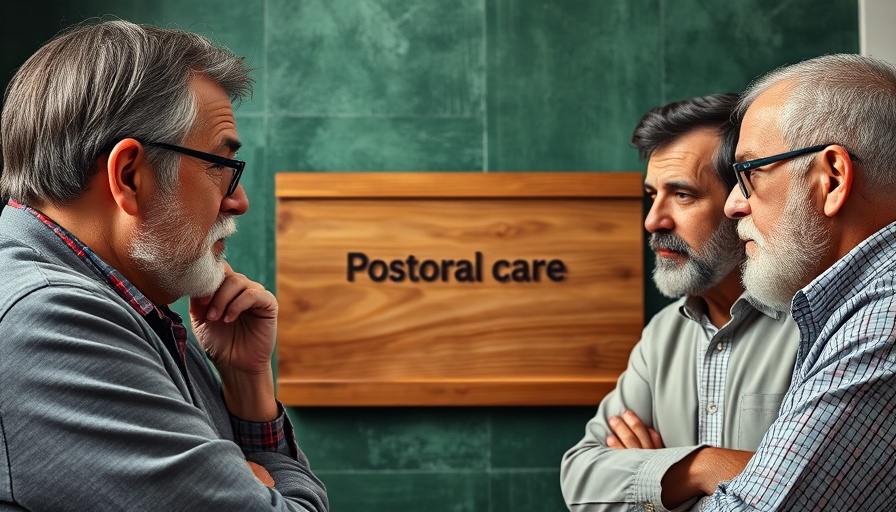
(260,301)
(198,307)
(228,270)
(614,443)
(261,473)
(233,285)
(623,433)
(638,428)
(656,439)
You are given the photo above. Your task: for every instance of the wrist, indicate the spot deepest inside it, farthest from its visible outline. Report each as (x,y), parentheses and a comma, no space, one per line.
(249,395)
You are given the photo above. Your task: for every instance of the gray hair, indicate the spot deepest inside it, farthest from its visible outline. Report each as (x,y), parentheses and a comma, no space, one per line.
(96,84)
(844,99)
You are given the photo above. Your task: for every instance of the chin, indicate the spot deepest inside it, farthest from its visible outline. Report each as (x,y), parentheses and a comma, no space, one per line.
(201,278)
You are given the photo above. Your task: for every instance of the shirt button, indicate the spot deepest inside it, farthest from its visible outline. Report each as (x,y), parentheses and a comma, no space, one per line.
(720,347)
(712,408)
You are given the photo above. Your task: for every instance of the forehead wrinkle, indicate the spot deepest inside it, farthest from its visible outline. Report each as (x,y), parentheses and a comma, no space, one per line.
(222,126)
(677,170)
(761,132)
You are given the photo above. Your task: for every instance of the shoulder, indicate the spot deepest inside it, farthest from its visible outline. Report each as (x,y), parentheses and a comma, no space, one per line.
(668,328)
(25,270)
(670,316)
(46,301)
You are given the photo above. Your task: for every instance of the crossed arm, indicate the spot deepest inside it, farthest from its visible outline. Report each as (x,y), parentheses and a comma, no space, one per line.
(696,475)
(96,409)
(624,459)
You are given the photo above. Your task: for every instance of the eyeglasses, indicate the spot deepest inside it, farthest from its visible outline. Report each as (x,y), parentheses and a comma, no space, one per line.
(236,165)
(743,169)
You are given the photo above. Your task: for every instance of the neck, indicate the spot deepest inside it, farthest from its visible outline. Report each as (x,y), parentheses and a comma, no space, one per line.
(83,219)
(720,298)
(106,230)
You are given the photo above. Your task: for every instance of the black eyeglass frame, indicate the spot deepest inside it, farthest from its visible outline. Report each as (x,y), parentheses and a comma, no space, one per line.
(742,170)
(236,165)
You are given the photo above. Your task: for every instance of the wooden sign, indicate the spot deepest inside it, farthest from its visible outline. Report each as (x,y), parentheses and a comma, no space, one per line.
(457,288)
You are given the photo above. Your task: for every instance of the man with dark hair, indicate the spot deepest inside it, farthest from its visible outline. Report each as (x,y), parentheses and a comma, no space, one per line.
(711,368)
(119,145)
(816,205)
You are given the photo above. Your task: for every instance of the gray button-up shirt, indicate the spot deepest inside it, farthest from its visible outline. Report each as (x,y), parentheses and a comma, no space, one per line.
(697,386)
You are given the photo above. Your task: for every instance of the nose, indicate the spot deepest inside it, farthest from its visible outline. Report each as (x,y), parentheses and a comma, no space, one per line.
(737,206)
(658,218)
(236,203)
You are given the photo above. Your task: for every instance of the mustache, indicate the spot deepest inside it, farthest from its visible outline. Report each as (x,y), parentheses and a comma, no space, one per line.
(223,227)
(746,230)
(669,242)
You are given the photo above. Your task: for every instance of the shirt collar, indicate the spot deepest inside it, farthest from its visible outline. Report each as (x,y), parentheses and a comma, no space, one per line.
(694,307)
(846,278)
(107,273)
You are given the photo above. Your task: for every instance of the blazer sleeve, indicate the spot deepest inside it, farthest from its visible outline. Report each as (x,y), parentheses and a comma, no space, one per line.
(92,419)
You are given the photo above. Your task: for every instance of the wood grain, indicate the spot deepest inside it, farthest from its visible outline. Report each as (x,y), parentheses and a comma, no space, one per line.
(460,343)
(458,184)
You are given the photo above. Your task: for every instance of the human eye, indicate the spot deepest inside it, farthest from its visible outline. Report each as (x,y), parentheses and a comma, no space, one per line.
(216,168)
(684,195)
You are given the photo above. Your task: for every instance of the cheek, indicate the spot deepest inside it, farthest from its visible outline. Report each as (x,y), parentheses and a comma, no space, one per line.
(765,220)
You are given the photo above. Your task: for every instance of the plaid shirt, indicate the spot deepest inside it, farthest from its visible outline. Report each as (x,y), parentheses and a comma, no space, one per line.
(249,435)
(712,371)
(834,445)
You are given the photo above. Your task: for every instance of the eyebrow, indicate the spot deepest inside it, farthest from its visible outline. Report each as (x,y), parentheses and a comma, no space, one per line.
(679,185)
(673,185)
(229,143)
(746,155)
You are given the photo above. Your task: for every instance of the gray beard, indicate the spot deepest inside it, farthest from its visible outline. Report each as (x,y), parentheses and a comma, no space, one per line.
(701,271)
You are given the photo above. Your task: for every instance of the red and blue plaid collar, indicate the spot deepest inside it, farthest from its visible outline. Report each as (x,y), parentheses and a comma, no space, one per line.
(113,277)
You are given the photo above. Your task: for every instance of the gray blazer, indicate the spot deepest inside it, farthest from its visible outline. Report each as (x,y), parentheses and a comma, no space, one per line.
(94,413)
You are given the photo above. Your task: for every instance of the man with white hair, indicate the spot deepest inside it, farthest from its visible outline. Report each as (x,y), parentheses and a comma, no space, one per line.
(816,205)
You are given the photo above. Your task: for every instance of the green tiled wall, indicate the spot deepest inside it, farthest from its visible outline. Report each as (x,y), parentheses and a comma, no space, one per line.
(467,85)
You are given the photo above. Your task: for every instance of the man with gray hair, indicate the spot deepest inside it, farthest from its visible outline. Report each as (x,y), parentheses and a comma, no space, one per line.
(816,205)
(119,146)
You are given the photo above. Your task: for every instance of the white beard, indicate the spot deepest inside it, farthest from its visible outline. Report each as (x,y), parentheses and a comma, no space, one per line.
(785,261)
(166,249)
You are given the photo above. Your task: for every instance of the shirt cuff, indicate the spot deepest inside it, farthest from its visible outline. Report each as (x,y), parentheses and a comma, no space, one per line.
(648,484)
(265,436)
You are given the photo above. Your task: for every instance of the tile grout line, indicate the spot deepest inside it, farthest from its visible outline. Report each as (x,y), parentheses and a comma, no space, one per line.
(269,174)
(484,103)
(437,472)
(488,467)
(662,13)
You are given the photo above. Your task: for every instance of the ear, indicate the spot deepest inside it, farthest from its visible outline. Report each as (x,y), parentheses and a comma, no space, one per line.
(127,171)
(837,179)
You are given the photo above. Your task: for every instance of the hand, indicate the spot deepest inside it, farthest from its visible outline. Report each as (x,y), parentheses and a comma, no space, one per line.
(630,432)
(261,473)
(237,325)
(700,472)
